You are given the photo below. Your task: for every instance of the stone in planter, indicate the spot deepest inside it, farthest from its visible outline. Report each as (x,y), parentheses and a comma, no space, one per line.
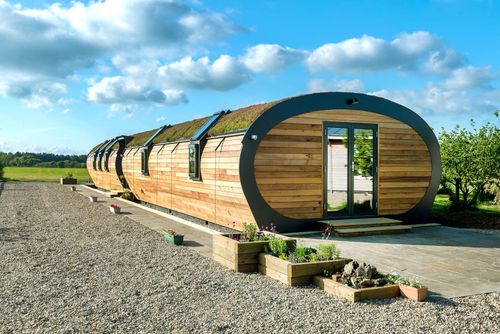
(239,256)
(93,198)
(412,293)
(356,295)
(295,274)
(176,239)
(68,180)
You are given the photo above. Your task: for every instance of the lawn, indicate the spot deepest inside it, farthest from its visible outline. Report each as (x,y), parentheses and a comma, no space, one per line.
(487,214)
(44,174)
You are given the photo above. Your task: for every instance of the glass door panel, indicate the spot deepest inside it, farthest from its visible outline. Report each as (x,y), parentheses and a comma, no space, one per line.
(350,169)
(363,171)
(337,170)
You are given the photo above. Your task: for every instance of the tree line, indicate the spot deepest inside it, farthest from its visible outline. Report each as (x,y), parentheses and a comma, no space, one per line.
(26,159)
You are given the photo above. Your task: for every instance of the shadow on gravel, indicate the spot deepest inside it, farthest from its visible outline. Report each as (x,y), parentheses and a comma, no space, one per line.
(2,184)
(11,234)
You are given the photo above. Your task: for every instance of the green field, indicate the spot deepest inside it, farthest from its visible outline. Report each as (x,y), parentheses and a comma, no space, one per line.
(44,174)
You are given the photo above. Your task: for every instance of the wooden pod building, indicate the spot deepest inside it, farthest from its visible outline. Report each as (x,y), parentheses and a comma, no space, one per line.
(290,163)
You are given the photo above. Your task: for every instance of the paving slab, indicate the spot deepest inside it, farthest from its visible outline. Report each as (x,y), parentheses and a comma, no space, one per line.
(453,262)
(199,238)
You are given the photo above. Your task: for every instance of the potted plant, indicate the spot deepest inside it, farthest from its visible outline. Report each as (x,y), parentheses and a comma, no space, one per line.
(114,208)
(411,288)
(128,195)
(357,282)
(298,265)
(93,198)
(240,251)
(68,179)
(173,237)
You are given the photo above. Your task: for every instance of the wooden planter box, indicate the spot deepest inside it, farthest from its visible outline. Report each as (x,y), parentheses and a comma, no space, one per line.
(237,255)
(173,239)
(296,273)
(67,180)
(356,295)
(415,294)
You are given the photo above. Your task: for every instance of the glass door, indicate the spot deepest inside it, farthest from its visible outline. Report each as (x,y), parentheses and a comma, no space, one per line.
(350,169)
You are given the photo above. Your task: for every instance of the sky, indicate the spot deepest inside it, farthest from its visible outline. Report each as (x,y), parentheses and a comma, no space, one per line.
(73,74)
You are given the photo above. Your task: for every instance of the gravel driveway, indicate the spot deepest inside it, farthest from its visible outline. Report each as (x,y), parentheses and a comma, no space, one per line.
(68,265)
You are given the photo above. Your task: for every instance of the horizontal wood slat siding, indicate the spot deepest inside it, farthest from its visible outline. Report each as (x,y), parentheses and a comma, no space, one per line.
(102,179)
(217,198)
(289,160)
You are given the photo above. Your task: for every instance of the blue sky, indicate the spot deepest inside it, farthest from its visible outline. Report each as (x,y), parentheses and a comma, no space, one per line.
(75,73)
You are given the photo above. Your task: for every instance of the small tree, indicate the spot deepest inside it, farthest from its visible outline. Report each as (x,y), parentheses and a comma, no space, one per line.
(470,159)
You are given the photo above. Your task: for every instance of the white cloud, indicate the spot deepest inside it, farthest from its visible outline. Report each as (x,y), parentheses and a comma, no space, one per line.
(368,53)
(43,46)
(119,89)
(36,94)
(161,119)
(437,98)
(444,61)
(470,77)
(222,74)
(271,57)
(319,85)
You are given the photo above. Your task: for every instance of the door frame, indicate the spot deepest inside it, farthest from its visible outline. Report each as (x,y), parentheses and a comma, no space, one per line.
(350,179)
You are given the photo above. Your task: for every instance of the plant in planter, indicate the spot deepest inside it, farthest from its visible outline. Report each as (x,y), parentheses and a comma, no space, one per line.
(114,209)
(173,237)
(298,265)
(93,198)
(409,288)
(357,282)
(240,252)
(68,179)
(128,195)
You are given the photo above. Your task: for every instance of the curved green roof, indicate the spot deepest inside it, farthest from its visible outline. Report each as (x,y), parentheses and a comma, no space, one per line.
(237,120)
(140,138)
(180,131)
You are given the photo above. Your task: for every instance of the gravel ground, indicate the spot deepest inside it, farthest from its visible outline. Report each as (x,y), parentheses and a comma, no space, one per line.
(68,265)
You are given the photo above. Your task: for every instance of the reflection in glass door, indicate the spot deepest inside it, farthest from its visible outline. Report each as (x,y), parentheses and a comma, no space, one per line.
(363,172)
(337,160)
(350,169)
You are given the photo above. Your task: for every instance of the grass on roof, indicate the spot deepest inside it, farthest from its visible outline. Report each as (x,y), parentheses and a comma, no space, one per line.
(95,147)
(140,138)
(239,119)
(181,131)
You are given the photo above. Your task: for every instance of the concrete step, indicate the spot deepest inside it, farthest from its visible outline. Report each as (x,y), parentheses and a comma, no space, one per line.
(361,222)
(377,230)
(424,225)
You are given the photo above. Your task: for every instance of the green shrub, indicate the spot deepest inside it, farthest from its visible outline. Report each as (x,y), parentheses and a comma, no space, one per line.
(278,247)
(299,255)
(327,252)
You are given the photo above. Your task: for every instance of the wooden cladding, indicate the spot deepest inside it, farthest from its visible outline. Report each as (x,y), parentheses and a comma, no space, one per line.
(289,163)
(217,197)
(102,179)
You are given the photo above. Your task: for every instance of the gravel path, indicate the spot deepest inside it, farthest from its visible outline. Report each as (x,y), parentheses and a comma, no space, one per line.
(68,265)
